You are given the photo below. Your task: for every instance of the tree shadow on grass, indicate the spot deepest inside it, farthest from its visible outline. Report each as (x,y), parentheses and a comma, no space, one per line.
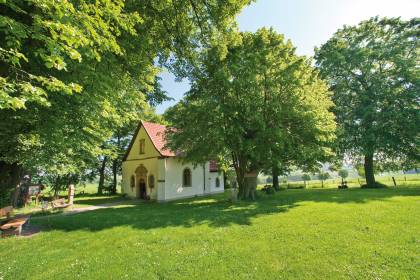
(95,199)
(215,211)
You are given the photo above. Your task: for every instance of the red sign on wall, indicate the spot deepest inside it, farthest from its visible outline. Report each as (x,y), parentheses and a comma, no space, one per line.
(213,166)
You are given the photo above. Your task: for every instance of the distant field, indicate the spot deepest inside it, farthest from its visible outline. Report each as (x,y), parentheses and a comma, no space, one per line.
(409,180)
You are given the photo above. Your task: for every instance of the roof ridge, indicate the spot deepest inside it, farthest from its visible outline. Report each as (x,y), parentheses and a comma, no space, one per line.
(156,132)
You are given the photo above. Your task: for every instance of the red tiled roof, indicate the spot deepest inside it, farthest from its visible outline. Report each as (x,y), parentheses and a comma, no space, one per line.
(156,133)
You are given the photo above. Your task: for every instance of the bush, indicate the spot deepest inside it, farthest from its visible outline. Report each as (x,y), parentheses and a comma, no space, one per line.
(376,186)
(295,187)
(5,195)
(269,189)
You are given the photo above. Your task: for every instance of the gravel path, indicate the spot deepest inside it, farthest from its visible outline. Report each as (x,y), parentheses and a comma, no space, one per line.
(86,209)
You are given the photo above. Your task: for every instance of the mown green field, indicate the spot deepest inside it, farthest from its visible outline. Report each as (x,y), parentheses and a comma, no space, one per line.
(294,234)
(401,181)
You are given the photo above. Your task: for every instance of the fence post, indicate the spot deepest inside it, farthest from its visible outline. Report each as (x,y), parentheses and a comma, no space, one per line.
(395,183)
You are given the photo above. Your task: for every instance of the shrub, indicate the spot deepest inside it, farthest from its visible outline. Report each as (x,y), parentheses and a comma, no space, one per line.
(376,186)
(268,189)
(295,187)
(5,195)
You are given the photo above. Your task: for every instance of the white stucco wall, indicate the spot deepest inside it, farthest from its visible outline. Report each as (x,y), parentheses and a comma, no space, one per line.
(161,170)
(211,181)
(167,172)
(202,181)
(173,180)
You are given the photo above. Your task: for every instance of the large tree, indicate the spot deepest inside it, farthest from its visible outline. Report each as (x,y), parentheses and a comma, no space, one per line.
(373,71)
(252,106)
(65,66)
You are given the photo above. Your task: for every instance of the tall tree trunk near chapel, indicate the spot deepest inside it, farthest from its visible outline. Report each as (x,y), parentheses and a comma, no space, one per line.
(102,176)
(369,171)
(8,183)
(15,179)
(247,181)
(248,188)
(114,174)
(275,173)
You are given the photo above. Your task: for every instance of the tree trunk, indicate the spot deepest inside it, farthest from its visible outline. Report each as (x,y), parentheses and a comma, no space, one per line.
(250,186)
(15,179)
(102,176)
(247,181)
(56,187)
(114,173)
(369,171)
(275,173)
(240,173)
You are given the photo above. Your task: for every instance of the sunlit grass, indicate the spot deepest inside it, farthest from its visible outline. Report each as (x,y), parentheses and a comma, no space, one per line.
(294,234)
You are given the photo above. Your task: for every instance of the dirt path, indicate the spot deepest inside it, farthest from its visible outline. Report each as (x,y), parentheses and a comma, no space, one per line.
(86,209)
(30,230)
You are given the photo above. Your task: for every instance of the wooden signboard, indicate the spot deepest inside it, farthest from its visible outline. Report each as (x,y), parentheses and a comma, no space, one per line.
(34,190)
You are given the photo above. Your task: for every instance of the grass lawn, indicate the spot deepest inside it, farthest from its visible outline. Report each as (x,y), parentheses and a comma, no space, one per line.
(294,234)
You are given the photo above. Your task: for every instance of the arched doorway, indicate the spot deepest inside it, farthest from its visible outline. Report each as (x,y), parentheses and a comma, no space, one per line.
(141,176)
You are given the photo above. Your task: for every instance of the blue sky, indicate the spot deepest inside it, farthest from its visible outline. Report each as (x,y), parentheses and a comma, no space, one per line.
(308,23)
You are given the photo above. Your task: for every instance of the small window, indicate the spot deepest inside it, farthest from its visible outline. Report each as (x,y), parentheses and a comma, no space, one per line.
(186,178)
(217,182)
(151,181)
(141,146)
(132,181)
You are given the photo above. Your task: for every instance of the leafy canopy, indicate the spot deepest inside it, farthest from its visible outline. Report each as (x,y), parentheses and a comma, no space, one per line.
(109,53)
(343,173)
(253,105)
(373,71)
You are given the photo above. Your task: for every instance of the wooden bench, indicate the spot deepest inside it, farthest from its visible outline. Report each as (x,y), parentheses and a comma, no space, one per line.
(59,203)
(11,226)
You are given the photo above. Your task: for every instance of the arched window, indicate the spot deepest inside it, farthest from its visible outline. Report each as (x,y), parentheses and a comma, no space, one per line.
(186,178)
(151,181)
(132,181)
(141,146)
(217,182)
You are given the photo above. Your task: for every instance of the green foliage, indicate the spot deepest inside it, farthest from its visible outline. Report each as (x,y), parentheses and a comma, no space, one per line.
(257,104)
(306,177)
(76,76)
(360,170)
(44,38)
(343,173)
(373,70)
(323,176)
